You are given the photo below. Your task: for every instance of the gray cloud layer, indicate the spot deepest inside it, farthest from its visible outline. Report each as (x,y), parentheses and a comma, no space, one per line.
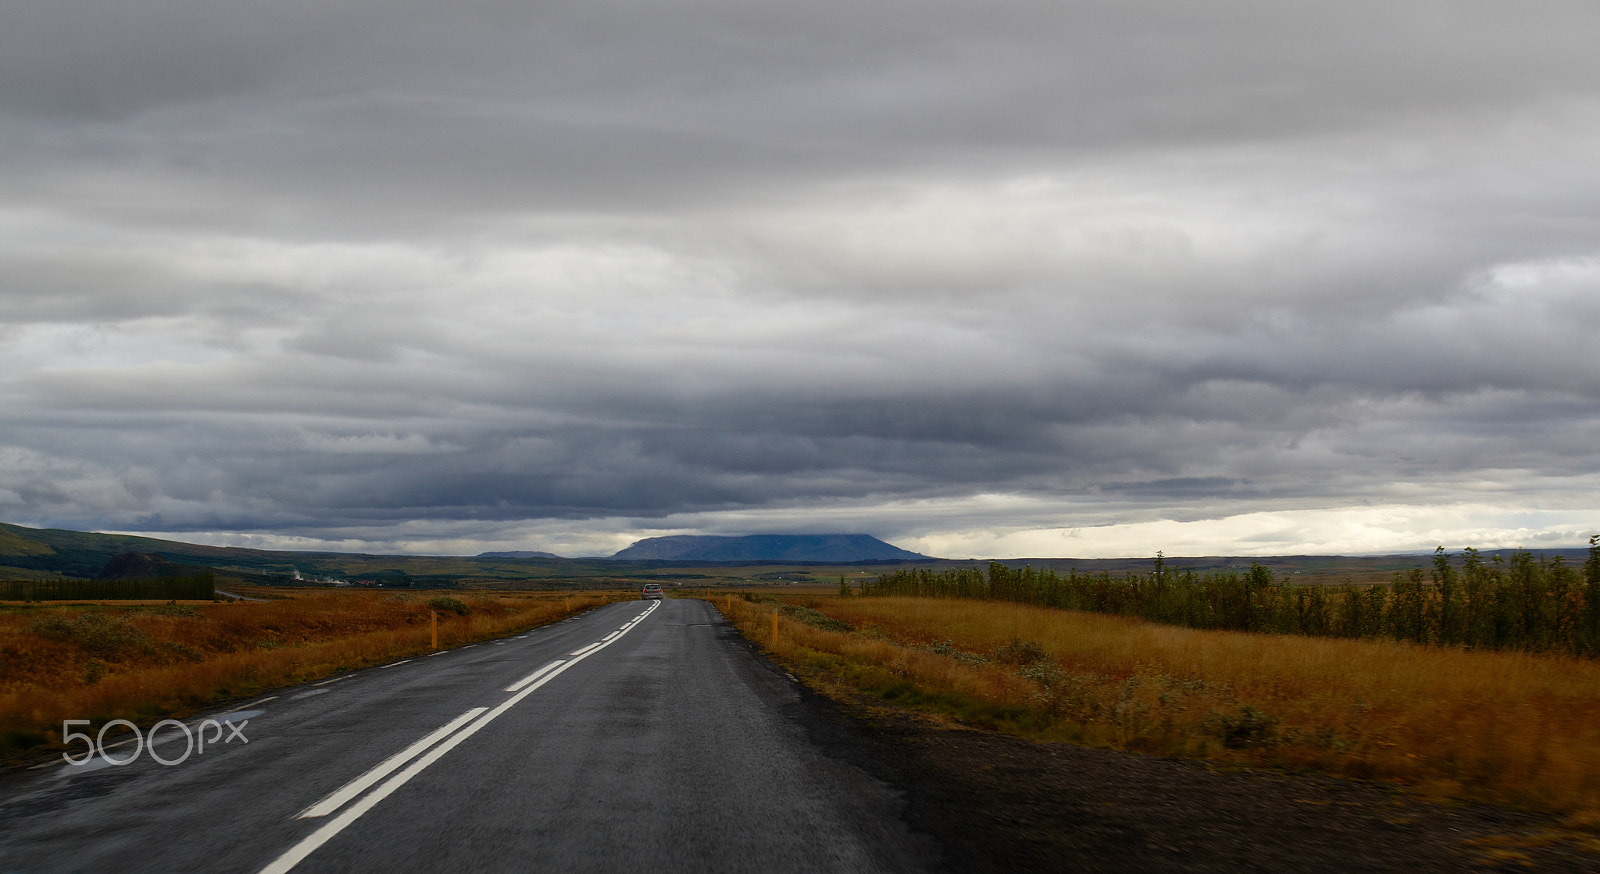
(496,272)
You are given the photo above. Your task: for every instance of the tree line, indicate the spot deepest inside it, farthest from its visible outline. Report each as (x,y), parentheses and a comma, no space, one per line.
(1523,601)
(199,587)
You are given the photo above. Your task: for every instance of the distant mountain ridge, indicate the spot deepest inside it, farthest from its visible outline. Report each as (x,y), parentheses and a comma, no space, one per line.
(520,553)
(54,553)
(767,547)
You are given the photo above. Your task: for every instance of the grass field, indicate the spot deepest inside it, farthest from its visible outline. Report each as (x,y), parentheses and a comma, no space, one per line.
(1509,728)
(115,660)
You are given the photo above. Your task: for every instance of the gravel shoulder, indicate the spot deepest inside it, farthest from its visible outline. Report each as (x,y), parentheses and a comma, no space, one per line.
(996,802)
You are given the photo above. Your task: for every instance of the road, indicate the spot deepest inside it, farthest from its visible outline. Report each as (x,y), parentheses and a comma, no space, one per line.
(638,736)
(238,597)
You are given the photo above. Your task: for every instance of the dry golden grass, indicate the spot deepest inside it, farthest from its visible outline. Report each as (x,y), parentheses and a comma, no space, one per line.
(143,662)
(1493,726)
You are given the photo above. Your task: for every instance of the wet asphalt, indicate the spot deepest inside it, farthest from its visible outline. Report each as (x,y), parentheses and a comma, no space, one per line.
(669,746)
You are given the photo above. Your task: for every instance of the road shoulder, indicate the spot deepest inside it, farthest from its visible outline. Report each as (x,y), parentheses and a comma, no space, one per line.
(996,802)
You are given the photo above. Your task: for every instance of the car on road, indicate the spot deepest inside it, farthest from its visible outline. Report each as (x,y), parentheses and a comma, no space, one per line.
(652,591)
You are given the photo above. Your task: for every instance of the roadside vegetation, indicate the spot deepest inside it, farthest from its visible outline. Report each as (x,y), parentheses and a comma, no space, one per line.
(148,661)
(1524,603)
(1503,727)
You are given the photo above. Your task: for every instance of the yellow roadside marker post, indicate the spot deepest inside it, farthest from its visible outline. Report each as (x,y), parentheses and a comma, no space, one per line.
(774,628)
(434,621)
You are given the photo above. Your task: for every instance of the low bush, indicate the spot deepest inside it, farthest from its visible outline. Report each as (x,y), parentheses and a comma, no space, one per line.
(1019,652)
(95,633)
(449,605)
(1246,728)
(815,618)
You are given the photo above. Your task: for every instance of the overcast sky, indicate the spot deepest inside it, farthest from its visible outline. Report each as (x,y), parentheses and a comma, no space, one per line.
(983,279)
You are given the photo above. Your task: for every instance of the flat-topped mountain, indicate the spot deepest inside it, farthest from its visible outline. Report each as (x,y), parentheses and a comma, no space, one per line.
(841,548)
(520,553)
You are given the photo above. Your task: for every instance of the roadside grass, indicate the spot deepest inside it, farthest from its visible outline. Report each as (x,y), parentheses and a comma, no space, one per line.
(144,662)
(1446,723)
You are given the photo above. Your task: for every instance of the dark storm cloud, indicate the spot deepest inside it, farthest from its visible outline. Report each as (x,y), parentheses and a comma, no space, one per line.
(406,276)
(488,104)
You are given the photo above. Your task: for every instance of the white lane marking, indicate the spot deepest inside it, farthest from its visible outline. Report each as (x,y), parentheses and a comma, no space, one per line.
(85,768)
(392,664)
(586,650)
(311,842)
(533,676)
(612,635)
(239,713)
(334,680)
(151,740)
(120,743)
(440,652)
(338,797)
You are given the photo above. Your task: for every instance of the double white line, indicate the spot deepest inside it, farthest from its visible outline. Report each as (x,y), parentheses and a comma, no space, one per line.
(417,757)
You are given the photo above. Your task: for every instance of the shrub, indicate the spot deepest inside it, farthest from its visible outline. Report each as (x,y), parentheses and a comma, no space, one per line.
(1247,728)
(1019,652)
(95,633)
(182,611)
(21,740)
(183,649)
(816,619)
(449,605)
(948,649)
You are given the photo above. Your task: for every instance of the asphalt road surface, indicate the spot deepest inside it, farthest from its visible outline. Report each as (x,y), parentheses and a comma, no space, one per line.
(638,736)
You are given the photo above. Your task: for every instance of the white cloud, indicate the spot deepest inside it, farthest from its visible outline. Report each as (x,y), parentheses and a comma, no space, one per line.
(1362,530)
